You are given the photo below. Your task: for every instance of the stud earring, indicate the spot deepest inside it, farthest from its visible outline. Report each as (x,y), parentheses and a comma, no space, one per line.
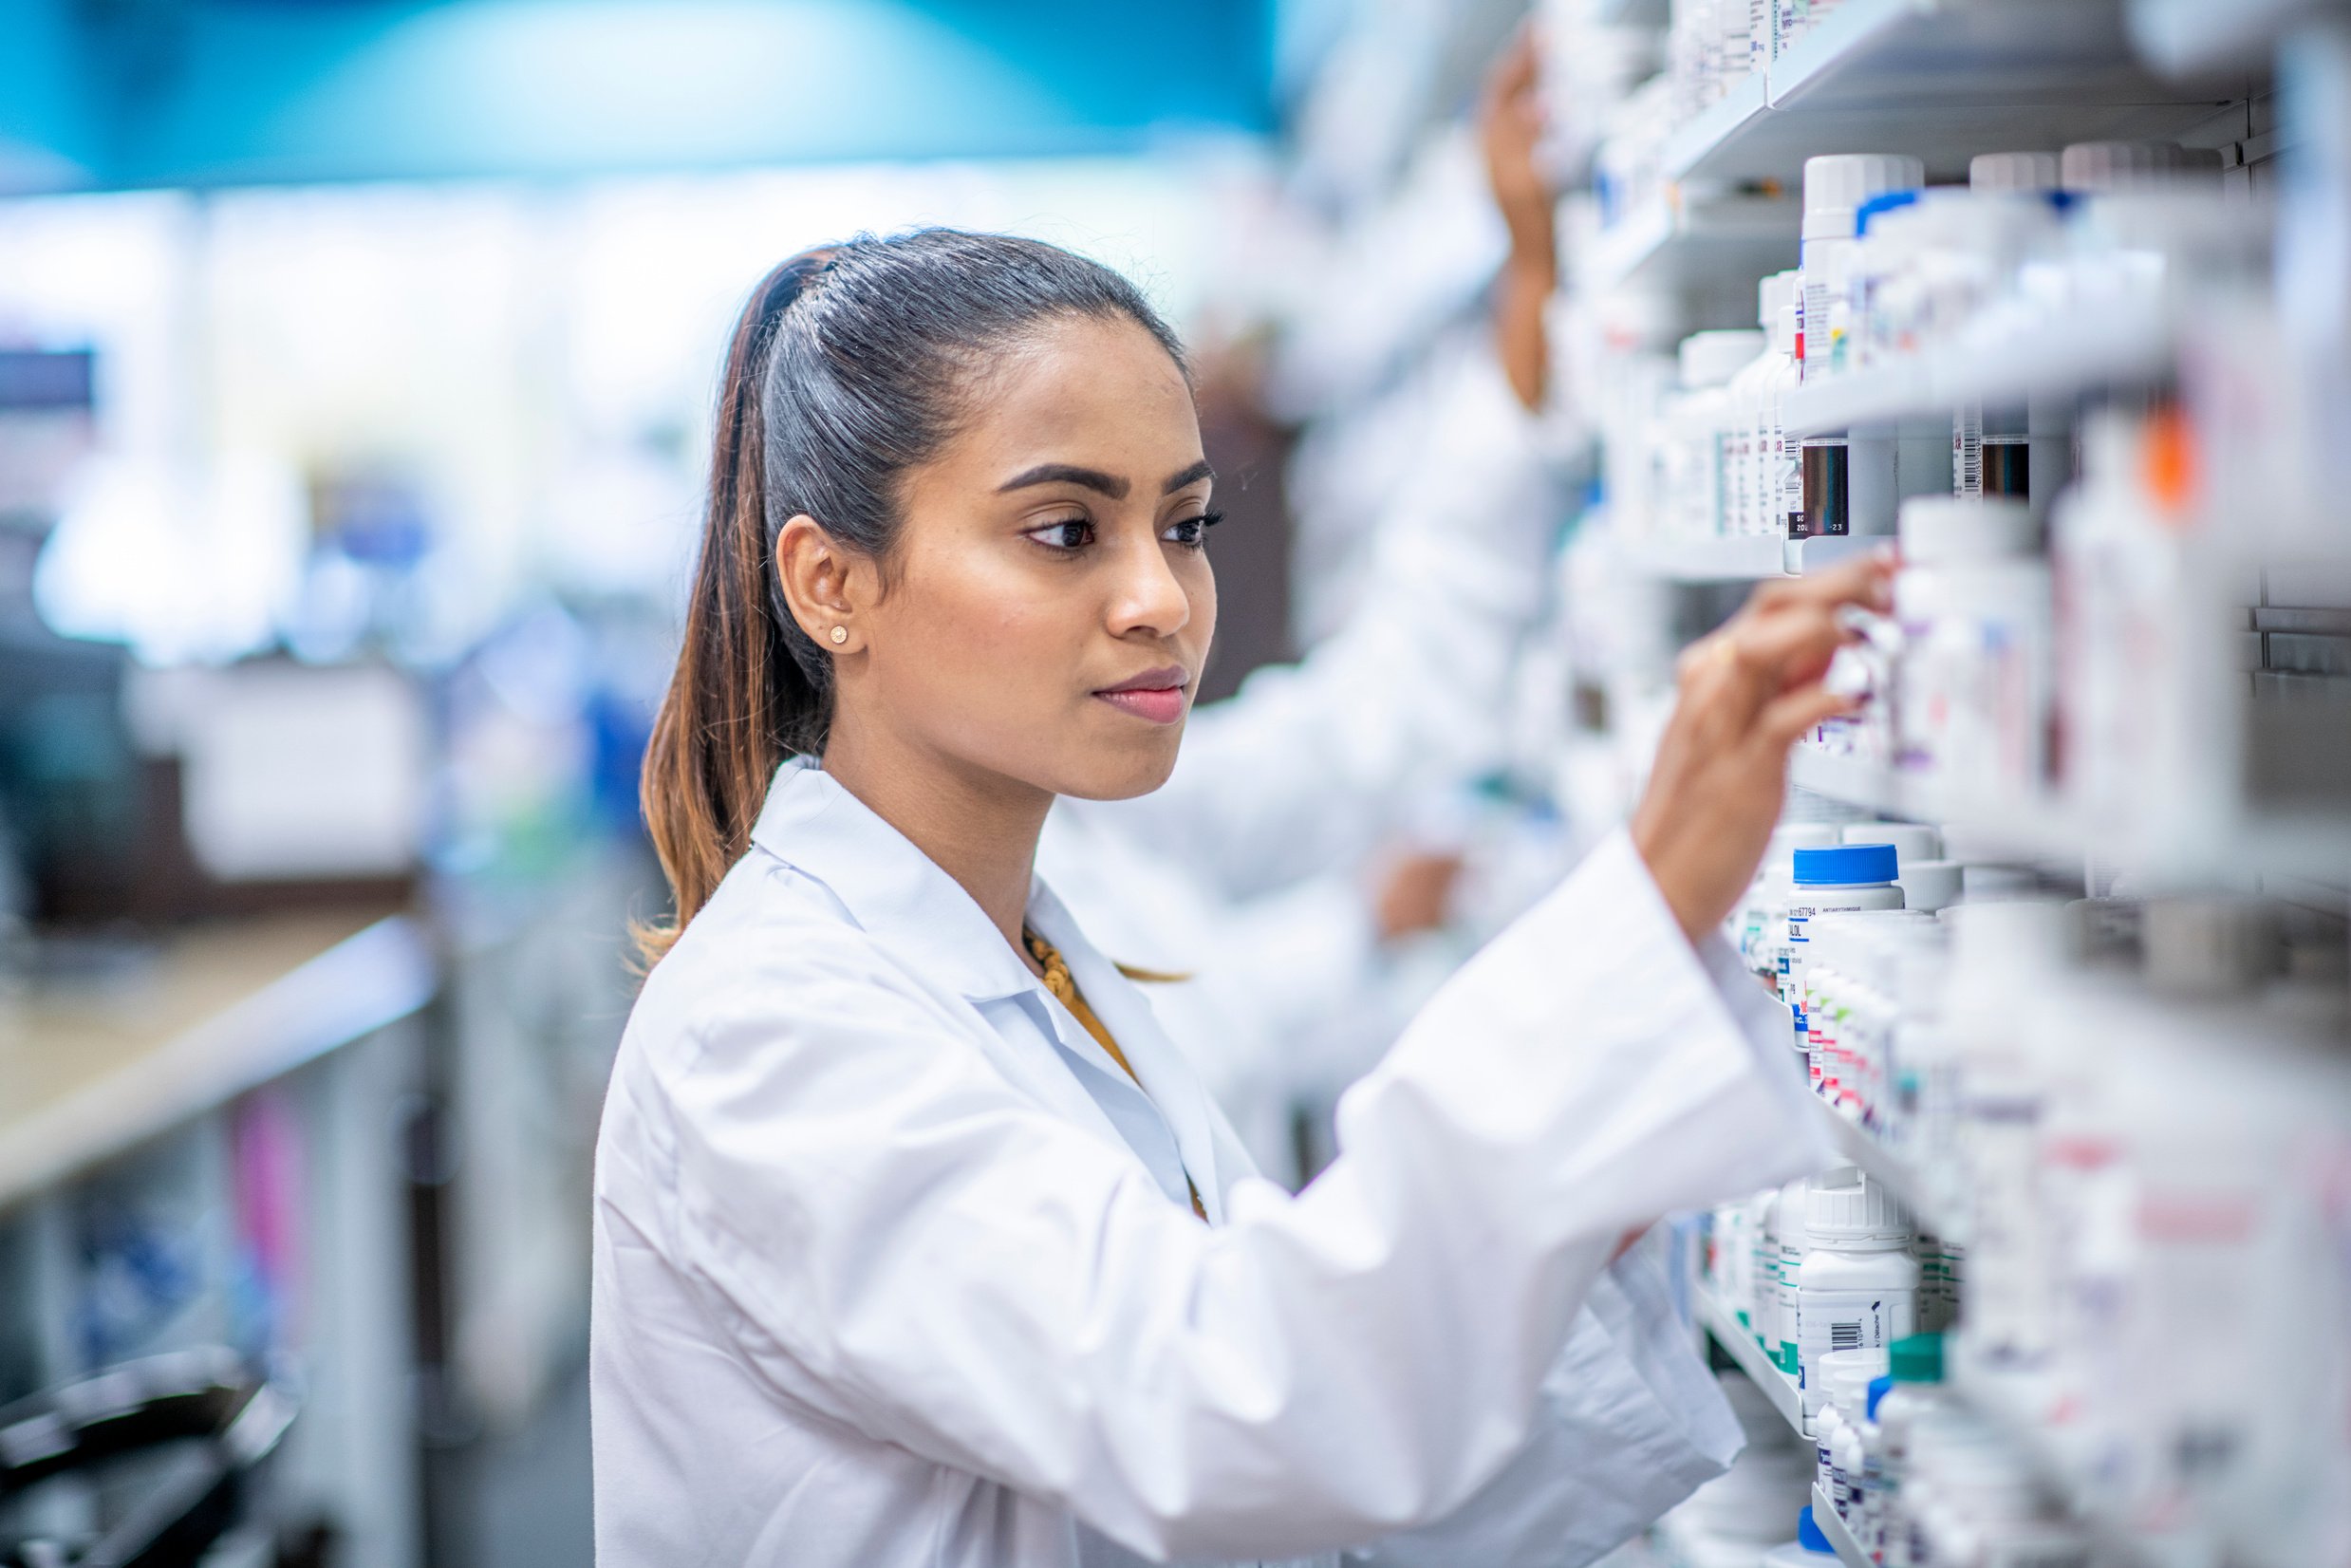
(840,635)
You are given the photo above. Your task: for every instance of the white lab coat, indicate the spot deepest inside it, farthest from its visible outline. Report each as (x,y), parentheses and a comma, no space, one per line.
(894,1266)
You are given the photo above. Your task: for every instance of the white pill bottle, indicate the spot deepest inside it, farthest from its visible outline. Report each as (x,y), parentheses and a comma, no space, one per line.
(1848,878)
(1858,1287)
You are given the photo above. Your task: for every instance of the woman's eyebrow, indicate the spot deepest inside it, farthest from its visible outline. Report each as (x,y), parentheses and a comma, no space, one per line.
(1193,475)
(1070,474)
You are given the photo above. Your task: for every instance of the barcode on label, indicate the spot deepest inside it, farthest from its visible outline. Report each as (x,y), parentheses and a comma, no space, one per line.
(1968,451)
(1844,1336)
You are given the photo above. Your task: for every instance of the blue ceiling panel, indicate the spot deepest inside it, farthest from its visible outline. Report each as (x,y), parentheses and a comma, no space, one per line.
(198,92)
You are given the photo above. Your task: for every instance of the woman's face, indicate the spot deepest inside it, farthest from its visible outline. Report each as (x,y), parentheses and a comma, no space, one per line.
(1048,606)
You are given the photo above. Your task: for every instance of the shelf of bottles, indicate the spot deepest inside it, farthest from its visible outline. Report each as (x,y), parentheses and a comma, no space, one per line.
(1906,76)
(2098,394)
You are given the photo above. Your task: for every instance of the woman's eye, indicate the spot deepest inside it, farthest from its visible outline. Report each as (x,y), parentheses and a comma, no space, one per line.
(1192,530)
(1070,534)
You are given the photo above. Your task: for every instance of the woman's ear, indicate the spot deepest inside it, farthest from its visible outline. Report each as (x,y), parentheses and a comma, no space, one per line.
(821,583)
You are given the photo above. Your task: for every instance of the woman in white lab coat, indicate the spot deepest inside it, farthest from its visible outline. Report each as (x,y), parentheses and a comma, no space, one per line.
(916,1243)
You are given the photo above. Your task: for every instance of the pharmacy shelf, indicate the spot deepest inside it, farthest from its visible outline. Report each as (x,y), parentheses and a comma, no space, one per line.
(1726,122)
(1741,558)
(1777,1387)
(2311,846)
(1824,1518)
(1941,82)
(1799,557)
(2031,829)
(1673,244)
(2060,356)
(1890,1170)
(1705,560)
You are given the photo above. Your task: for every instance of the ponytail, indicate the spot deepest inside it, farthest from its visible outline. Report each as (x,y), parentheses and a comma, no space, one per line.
(737,702)
(843,373)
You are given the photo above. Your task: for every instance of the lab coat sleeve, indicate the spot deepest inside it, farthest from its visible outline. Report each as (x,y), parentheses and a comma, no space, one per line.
(1304,768)
(902,1242)
(1630,1424)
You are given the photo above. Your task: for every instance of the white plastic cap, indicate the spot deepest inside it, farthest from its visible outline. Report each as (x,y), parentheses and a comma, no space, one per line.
(2013,172)
(1710,359)
(1929,884)
(1841,181)
(1861,1212)
(1845,1377)
(1847,1374)
(1793,1203)
(1775,293)
(1910,840)
(2007,942)
(2101,166)
(1934,529)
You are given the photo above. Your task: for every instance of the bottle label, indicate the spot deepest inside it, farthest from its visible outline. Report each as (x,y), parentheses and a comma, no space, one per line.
(1968,451)
(1828,1320)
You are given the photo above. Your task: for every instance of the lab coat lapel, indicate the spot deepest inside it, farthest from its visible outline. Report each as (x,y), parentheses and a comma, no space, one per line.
(888,886)
(1165,1073)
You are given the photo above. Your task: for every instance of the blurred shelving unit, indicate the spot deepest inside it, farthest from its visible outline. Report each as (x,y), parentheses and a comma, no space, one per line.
(1705,560)
(1676,243)
(2062,355)
(1742,558)
(1941,82)
(2279,844)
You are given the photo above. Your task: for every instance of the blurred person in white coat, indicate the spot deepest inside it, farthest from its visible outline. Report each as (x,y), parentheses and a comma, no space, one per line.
(916,1242)
(1261,886)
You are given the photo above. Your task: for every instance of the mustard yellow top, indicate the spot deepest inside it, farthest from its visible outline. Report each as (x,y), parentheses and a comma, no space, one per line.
(1065,991)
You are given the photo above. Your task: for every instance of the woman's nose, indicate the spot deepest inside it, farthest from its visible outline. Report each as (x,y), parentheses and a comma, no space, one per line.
(1148,597)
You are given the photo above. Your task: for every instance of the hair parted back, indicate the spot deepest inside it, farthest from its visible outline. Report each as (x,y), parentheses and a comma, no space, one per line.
(850,366)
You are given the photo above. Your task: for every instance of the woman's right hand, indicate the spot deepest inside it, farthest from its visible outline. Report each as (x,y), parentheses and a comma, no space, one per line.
(1748,693)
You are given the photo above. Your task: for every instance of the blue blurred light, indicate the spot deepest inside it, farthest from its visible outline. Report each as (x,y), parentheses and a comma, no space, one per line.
(234,91)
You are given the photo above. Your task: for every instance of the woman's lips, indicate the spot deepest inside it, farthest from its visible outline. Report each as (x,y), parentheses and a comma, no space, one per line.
(1155,695)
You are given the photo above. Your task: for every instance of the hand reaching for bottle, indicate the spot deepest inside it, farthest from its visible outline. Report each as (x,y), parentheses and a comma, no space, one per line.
(1748,693)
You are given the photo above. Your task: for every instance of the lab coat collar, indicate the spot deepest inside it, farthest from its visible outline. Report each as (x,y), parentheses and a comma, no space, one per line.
(1166,1075)
(890,888)
(813,825)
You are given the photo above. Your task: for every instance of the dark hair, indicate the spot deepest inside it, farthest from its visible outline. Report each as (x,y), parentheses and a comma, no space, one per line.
(851,365)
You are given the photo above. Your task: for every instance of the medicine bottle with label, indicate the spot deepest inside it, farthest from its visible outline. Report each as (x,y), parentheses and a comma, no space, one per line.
(1794,1241)
(1858,1285)
(1914,1366)
(1755,930)
(1854,876)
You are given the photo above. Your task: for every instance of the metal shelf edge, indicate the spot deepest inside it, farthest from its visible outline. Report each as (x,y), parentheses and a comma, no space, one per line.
(1825,1520)
(1777,1387)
